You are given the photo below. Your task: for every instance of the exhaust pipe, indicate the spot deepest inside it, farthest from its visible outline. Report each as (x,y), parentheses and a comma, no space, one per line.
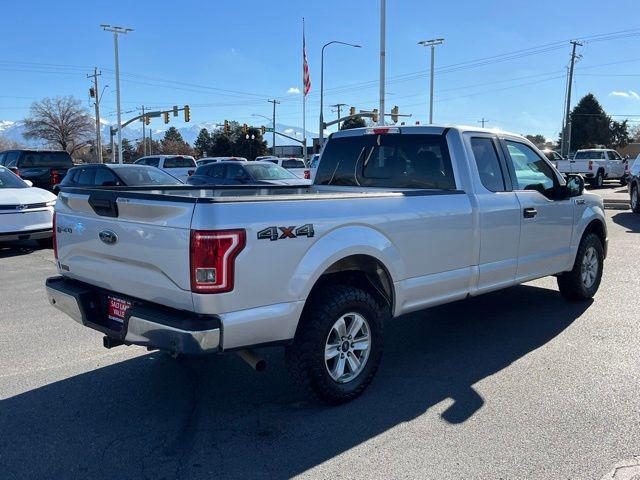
(255,362)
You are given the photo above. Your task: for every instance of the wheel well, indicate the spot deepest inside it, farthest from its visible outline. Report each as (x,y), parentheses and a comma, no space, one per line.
(361,271)
(597,227)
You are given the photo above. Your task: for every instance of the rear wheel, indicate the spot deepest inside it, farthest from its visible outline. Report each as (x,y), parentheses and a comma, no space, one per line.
(582,282)
(338,346)
(635,201)
(598,182)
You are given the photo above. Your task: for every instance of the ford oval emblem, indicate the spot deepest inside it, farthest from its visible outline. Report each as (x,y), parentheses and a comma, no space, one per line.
(108,237)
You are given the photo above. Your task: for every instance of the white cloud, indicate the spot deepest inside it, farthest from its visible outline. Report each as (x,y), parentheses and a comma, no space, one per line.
(629,94)
(294,90)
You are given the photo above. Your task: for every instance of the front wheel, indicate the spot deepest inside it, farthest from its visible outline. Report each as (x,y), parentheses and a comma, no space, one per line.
(582,282)
(338,346)
(634,199)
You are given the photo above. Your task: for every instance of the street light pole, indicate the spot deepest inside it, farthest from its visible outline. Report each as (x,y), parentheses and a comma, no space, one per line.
(321,130)
(383,59)
(117,31)
(273,140)
(432,44)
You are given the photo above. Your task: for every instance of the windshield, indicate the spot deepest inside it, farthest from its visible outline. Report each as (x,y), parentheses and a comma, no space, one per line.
(9,180)
(46,159)
(269,172)
(589,155)
(133,176)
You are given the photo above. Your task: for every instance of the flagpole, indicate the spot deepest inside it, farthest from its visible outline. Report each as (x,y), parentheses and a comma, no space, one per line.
(304,103)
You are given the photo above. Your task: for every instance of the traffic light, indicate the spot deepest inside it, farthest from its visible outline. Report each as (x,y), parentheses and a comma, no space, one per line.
(394,114)
(226,126)
(147,120)
(263,129)
(92,92)
(245,128)
(374,115)
(187,113)
(166,117)
(175,110)
(352,110)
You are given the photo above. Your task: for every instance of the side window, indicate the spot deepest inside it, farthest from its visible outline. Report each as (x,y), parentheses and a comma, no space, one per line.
(12,159)
(85,176)
(532,172)
(488,163)
(613,155)
(151,161)
(105,177)
(2,155)
(172,162)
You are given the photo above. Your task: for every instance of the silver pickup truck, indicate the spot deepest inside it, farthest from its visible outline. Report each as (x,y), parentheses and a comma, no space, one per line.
(398,219)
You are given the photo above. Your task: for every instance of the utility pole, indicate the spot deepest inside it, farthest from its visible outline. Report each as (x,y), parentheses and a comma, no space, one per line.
(117,31)
(483,121)
(566,134)
(339,106)
(273,139)
(431,43)
(96,103)
(144,134)
(150,141)
(383,23)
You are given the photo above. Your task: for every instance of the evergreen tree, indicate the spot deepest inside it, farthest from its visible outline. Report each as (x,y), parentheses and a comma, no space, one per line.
(620,134)
(172,135)
(590,125)
(248,148)
(202,145)
(355,122)
(128,152)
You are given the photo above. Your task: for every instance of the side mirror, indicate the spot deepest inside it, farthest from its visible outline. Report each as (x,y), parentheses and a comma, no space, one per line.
(575,185)
(28,182)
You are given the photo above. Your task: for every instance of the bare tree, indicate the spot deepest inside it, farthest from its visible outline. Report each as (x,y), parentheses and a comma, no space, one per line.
(60,121)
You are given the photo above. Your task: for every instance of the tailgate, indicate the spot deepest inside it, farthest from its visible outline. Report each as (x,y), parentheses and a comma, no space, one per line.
(134,246)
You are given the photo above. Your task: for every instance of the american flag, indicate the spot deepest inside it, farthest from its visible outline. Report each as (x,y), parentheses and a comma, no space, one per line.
(306,79)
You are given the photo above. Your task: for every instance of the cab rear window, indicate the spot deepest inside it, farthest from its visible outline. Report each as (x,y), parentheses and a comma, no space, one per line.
(388,161)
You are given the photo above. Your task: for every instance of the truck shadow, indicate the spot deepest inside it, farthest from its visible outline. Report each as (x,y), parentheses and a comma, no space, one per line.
(18,248)
(628,220)
(155,417)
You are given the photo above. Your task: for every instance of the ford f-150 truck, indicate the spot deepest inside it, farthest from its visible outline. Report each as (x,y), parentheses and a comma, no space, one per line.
(596,165)
(399,219)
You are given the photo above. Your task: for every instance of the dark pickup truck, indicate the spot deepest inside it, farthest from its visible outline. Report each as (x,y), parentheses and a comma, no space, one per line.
(44,168)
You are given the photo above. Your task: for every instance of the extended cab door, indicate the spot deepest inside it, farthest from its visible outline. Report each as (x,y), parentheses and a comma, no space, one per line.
(546,222)
(498,213)
(615,165)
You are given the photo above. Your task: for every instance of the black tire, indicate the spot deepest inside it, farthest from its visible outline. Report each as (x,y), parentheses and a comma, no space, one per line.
(623,182)
(306,356)
(634,199)
(598,182)
(571,284)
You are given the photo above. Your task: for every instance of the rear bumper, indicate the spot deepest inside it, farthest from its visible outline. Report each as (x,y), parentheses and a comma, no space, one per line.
(145,323)
(26,235)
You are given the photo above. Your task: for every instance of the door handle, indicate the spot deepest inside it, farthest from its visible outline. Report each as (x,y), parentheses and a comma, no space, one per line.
(529,212)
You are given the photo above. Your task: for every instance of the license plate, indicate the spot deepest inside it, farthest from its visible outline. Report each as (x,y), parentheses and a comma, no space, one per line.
(117,308)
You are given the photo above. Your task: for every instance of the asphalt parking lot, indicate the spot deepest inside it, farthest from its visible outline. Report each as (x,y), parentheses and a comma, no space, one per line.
(514,384)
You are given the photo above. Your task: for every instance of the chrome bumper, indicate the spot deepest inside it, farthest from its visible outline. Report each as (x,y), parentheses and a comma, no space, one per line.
(145,324)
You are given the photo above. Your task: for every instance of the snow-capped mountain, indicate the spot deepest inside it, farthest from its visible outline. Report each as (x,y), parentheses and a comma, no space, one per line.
(14,130)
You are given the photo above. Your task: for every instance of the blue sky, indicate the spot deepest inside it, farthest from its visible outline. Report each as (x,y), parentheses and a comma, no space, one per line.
(226,59)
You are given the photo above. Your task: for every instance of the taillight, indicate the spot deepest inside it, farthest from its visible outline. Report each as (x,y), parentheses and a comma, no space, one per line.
(190,172)
(15,170)
(55,177)
(212,255)
(590,164)
(307,175)
(54,239)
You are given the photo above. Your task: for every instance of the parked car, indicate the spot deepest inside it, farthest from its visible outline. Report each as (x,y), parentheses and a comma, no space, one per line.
(179,166)
(297,166)
(26,212)
(207,160)
(399,219)
(596,165)
(43,168)
(244,173)
(264,157)
(115,175)
(633,185)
